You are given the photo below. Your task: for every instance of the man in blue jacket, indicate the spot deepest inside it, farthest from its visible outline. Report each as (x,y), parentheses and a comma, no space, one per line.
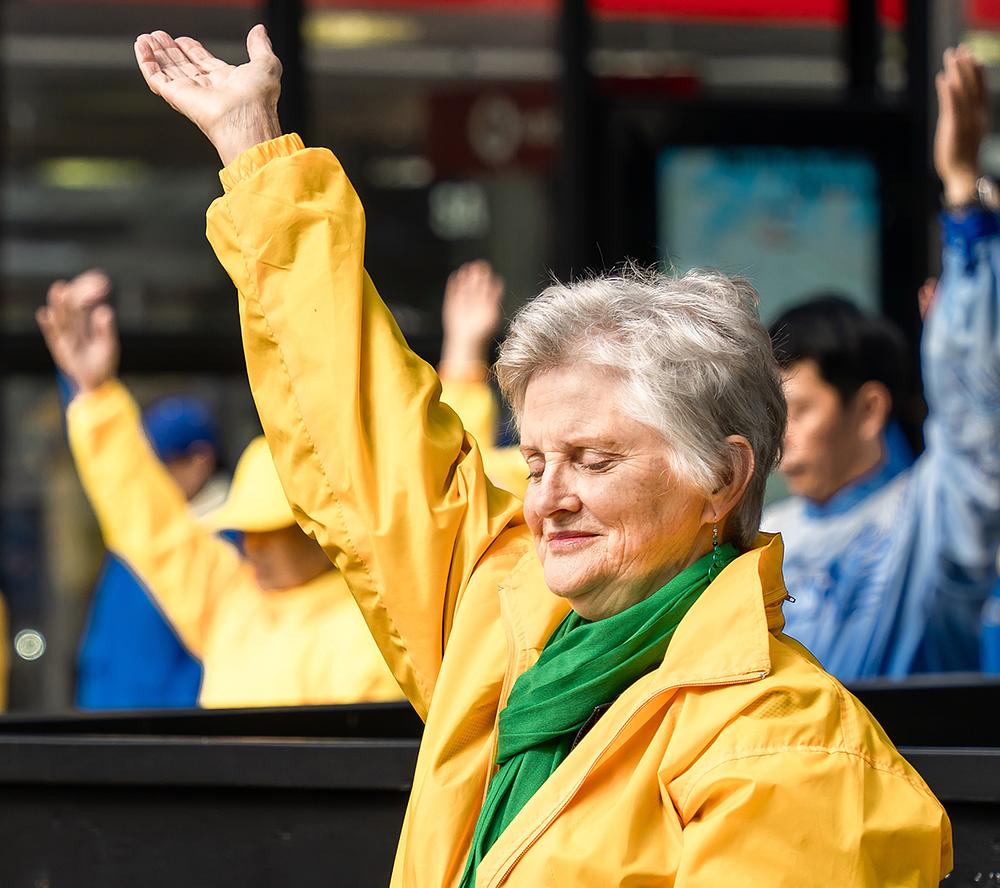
(890,560)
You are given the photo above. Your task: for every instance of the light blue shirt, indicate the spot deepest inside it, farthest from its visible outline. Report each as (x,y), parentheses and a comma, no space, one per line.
(889,577)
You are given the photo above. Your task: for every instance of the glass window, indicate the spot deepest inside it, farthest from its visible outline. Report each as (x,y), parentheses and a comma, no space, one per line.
(686,47)
(445,118)
(99,172)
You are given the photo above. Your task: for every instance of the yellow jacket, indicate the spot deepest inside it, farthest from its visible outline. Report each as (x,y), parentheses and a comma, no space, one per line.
(286,647)
(737,762)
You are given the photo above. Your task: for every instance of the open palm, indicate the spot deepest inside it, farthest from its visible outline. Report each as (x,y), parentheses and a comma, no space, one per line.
(214,95)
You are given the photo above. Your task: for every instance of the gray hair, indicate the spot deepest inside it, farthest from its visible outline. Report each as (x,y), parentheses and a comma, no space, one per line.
(696,363)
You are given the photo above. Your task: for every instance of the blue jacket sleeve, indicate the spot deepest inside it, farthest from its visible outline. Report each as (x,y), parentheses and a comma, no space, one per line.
(958,477)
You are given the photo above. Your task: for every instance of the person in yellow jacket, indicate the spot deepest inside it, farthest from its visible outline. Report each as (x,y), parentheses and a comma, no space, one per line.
(274,628)
(608,695)
(470,317)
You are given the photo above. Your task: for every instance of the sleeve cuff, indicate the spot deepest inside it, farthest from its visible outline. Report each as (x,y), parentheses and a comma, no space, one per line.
(963,230)
(251,160)
(467,373)
(92,409)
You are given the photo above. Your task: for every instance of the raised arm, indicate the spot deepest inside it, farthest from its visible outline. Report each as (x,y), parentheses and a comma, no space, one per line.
(470,317)
(959,475)
(142,513)
(374,465)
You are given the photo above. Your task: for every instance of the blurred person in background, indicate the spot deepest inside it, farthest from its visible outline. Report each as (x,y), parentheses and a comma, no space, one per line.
(277,627)
(890,560)
(130,657)
(608,695)
(471,315)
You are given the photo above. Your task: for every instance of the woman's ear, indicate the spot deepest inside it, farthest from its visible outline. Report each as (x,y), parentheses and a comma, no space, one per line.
(721,501)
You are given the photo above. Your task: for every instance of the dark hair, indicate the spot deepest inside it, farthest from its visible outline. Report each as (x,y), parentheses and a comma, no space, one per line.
(851,348)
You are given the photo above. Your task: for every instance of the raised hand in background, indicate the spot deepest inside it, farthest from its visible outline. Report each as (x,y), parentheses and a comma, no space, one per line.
(963,120)
(235,106)
(79,329)
(470,316)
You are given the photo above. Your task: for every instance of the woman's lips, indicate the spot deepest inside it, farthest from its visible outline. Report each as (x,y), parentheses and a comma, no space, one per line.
(568,539)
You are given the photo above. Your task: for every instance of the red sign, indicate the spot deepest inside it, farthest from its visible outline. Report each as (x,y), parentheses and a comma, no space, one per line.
(983,13)
(817,13)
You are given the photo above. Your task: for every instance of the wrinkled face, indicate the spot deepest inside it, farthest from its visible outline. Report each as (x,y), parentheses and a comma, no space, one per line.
(823,442)
(284,558)
(611,522)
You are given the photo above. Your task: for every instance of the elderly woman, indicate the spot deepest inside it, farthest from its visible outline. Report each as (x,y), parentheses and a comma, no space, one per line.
(608,696)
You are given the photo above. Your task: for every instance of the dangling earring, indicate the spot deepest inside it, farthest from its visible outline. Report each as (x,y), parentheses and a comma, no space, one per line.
(715,568)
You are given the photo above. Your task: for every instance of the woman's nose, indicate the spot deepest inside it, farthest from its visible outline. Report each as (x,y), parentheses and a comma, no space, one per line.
(556,492)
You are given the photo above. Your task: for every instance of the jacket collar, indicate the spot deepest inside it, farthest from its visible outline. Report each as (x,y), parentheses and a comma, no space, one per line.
(723,637)
(725,634)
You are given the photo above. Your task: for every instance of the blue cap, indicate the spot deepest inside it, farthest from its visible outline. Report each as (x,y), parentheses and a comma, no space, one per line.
(176,423)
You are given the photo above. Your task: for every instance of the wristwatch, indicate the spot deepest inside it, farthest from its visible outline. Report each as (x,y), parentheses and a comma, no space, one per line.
(988,193)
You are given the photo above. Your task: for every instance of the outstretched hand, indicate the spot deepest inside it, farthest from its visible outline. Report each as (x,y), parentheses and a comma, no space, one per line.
(236,106)
(79,329)
(471,314)
(963,121)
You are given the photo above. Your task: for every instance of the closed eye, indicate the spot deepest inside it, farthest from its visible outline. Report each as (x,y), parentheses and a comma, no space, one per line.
(600,466)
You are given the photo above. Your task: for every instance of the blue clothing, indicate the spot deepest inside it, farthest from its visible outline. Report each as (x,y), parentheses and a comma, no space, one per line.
(130,658)
(990,641)
(891,574)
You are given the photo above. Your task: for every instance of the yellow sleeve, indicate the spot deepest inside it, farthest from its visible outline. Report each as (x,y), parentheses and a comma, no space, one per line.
(812,818)
(374,465)
(473,401)
(143,515)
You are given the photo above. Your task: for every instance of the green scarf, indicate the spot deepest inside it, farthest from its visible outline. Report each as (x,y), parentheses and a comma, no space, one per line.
(584,665)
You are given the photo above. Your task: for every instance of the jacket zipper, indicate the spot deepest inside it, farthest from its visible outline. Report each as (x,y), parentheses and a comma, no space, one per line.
(530,839)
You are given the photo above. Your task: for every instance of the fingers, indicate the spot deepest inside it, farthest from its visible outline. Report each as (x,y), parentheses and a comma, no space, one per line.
(485,280)
(971,72)
(953,85)
(162,61)
(966,70)
(173,60)
(258,43)
(199,56)
(477,274)
(103,326)
(73,304)
(90,288)
(149,67)
(943,94)
(53,319)
(963,79)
